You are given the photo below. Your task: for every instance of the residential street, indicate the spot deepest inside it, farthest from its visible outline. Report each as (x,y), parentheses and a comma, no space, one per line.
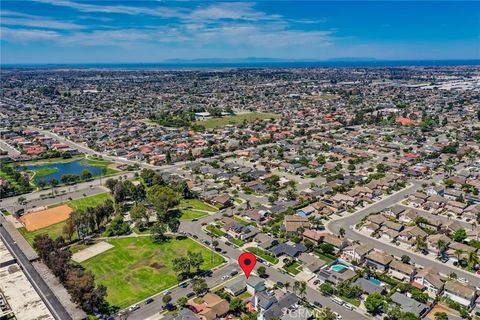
(195,228)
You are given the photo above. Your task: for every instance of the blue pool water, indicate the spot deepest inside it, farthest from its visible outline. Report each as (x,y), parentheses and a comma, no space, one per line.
(375,281)
(74,167)
(337,267)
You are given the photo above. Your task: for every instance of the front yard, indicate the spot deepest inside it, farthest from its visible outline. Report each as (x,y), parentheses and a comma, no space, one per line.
(264,255)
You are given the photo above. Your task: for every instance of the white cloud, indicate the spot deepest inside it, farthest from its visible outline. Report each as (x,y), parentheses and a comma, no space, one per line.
(121,9)
(27,35)
(40,23)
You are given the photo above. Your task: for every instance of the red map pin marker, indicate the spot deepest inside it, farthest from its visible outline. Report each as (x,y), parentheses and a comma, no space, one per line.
(247,262)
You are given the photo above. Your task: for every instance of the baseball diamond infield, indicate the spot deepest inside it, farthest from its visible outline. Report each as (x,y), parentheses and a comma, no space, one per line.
(41,219)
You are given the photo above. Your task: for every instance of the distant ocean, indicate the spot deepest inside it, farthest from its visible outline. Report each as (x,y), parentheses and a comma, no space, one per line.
(247,64)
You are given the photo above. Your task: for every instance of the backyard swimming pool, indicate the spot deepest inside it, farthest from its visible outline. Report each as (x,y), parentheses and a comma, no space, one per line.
(375,281)
(337,267)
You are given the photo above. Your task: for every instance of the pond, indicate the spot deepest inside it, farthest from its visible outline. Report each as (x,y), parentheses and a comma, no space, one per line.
(57,170)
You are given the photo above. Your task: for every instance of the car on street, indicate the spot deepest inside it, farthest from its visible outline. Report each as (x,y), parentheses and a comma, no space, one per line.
(337,316)
(149,300)
(316,282)
(318,304)
(134,307)
(462,280)
(280,284)
(348,306)
(168,292)
(183,284)
(190,294)
(234,272)
(337,300)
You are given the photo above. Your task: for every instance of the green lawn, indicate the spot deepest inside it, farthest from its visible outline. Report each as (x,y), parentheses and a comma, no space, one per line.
(92,201)
(54,231)
(353,302)
(237,242)
(42,172)
(137,268)
(216,231)
(293,269)
(191,214)
(47,161)
(196,205)
(324,257)
(264,255)
(101,163)
(215,123)
(244,222)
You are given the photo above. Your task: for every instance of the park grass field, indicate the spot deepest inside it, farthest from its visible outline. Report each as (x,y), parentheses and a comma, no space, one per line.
(137,268)
(92,201)
(196,204)
(54,231)
(215,123)
(191,214)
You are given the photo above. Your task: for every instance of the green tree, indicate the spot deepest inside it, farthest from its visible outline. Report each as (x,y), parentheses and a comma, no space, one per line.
(199,285)
(405,259)
(374,302)
(167,298)
(460,235)
(441,316)
(195,259)
(237,306)
(262,271)
(182,302)
(326,288)
(139,215)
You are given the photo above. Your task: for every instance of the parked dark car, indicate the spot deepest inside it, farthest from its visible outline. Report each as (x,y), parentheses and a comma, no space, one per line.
(148,301)
(190,294)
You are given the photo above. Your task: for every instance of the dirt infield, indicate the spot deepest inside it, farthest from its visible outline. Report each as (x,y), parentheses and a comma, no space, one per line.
(91,251)
(41,219)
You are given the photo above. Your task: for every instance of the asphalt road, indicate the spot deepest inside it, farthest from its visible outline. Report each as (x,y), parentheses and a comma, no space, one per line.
(152,310)
(11,150)
(51,301)
(62,192)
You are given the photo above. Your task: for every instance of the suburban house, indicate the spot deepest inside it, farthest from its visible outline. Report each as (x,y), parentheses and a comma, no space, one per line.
(236,288)
(213,307)
(255,284)
(369,287)
(294,223)
(287,249)
(429,280)
(401,271)
(459,292)
(356,253)
(378,260)
(408,304)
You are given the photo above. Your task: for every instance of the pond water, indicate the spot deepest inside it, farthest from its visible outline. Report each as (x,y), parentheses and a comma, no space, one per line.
(74,167)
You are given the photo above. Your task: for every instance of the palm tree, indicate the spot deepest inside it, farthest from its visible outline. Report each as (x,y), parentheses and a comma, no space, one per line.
(441,246)
(458,253)
(296,286)
(473,258)
(421,244)
(302,289)
(341,232)
(287,285)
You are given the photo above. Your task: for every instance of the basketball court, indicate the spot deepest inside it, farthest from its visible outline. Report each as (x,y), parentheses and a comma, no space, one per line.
(44,218)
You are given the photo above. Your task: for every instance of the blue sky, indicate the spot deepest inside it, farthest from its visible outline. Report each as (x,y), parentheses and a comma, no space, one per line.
(72,31)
